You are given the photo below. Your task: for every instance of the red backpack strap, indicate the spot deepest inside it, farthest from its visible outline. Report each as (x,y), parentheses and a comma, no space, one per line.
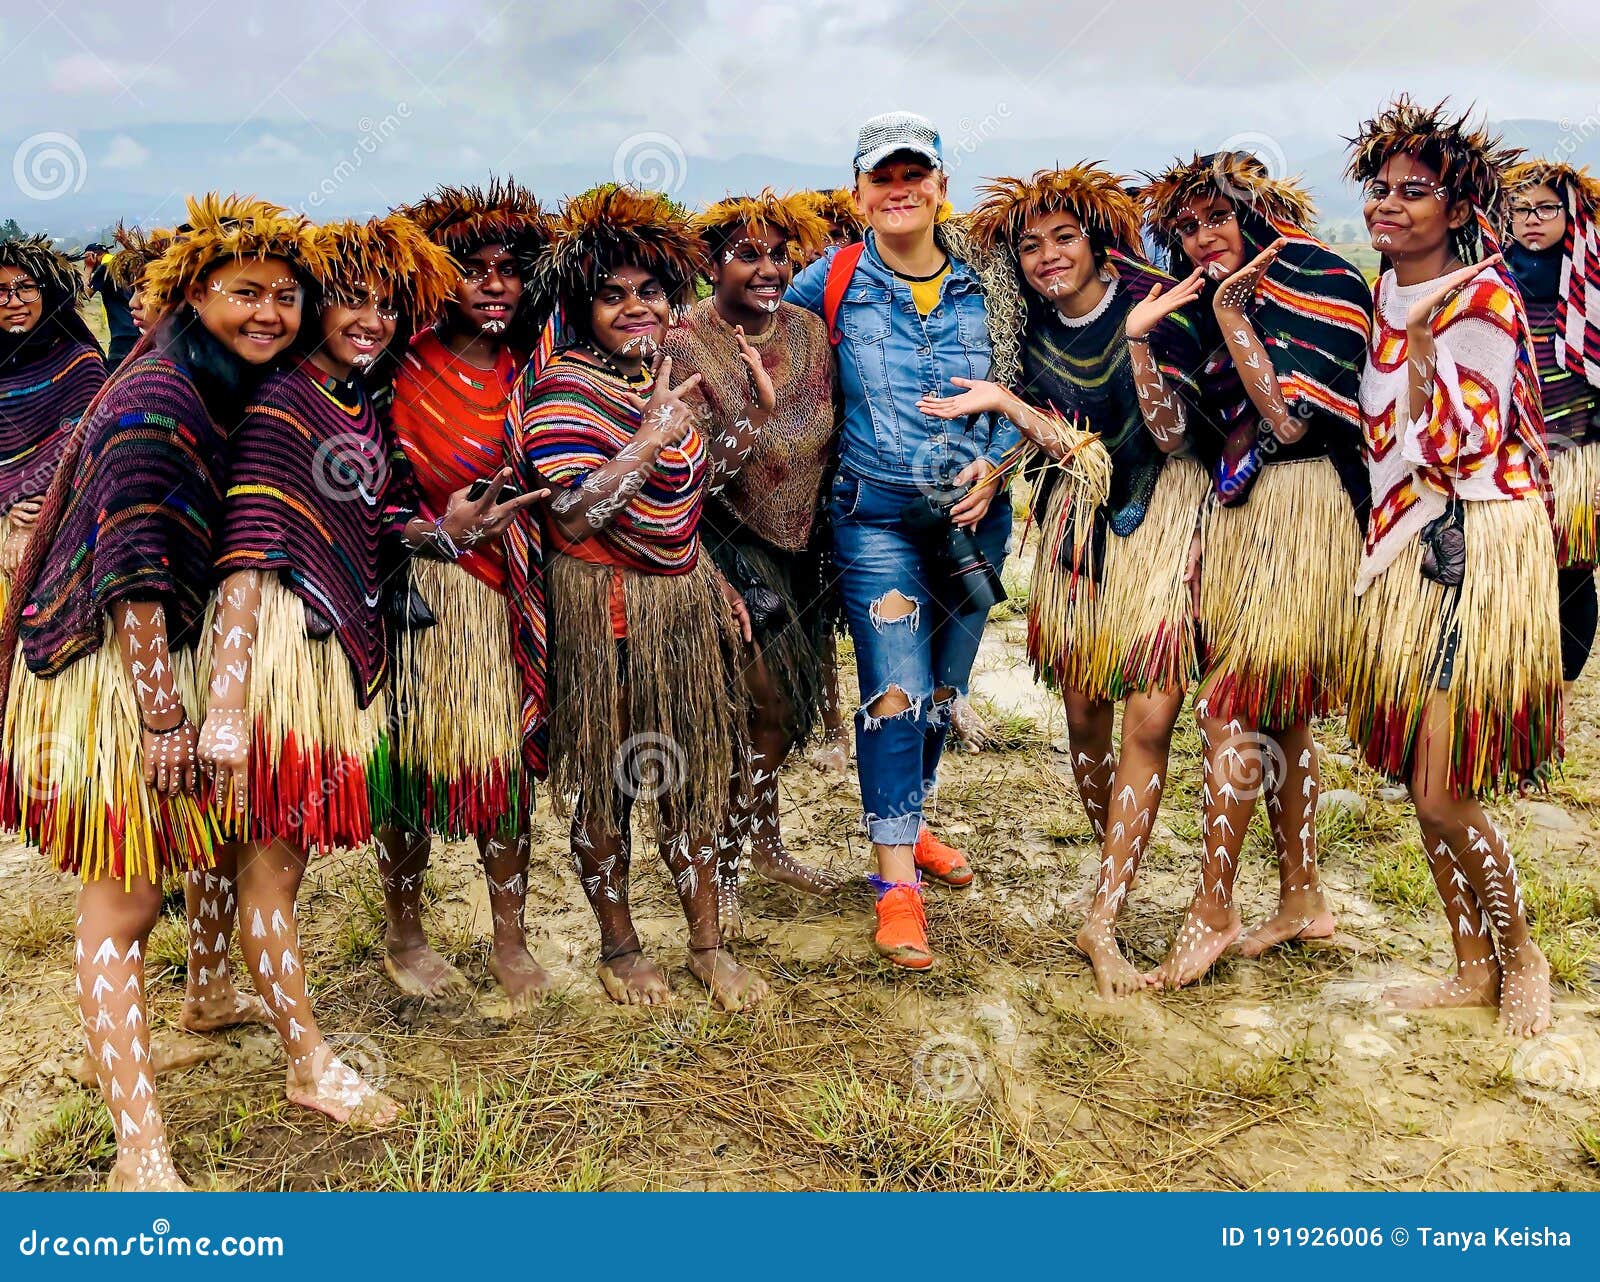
(840,271)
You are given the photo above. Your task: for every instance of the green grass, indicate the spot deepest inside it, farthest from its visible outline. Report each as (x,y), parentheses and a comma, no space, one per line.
(1400,878)
(74,1139)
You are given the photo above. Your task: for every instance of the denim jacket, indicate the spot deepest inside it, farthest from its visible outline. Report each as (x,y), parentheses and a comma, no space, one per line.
(890,357)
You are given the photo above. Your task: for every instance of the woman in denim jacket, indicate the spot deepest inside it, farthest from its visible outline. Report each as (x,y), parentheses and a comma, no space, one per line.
(912,317)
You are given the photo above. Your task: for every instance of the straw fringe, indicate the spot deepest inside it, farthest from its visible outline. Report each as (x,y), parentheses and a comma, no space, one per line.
(1135,630)
(1277,583)
(313,749)
(74,778)
(686,708)
(1505,691)
(457,749)
(1574,477)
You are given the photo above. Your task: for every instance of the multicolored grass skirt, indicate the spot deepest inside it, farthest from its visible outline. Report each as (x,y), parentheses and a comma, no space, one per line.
(1134,629)
(457,751)
(1574,476)
(72,775)
(1494,642)
(1277,597)
(314,754)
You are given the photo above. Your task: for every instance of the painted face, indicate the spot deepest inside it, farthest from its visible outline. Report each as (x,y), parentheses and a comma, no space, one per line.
(252,307)
(1408,210)
(354,331)
(136,309)
(630,313)
(752,271)
(1538,216)
(489,290)
(901,196)
(21,303)
(1054,254)
(1208,231)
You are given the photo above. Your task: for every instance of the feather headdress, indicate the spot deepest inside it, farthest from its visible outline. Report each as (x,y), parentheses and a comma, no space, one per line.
(136,250)
(1240,176)
(222,229)
(465,219)
(1091,194)
(790,216)
(57,276)
(390,255)
(609,227)
(837,208)
(1572,185)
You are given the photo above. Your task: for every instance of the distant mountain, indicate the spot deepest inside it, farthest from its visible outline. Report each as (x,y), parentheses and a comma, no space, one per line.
(77,187)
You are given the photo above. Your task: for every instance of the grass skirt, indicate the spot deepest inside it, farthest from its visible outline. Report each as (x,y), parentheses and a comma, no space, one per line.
(72,775)
(1134,630)
(675,679)
(457,745)
(1277,597)
(314,752)
(1574,474)
(1504,682)
(793,652)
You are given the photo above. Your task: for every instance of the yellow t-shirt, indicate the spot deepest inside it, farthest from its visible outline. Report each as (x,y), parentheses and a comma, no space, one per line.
(925,293)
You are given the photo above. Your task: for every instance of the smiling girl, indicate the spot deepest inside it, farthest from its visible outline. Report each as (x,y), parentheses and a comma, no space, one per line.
(1456,679)
(102,700)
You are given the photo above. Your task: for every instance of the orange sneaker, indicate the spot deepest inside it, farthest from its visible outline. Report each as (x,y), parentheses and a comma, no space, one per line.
(902,936)
(941,862)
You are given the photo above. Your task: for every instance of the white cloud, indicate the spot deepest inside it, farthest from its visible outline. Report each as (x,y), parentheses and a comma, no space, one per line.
(269,149)
(125,153)
(90,73)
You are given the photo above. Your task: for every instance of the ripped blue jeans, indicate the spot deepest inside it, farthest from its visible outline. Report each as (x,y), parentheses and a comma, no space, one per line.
(920,653)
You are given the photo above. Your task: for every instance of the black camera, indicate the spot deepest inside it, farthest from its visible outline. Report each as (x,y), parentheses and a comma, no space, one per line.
(975,587)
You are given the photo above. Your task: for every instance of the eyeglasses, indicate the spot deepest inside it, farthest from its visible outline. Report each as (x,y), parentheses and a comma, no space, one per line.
(1546,212)
(1375,191)
(288,299)
(1216,219)
(26,293)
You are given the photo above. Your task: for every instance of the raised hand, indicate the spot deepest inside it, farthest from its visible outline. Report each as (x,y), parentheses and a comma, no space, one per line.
(1161,302)
(1420,318)
(667,417)
(1236,293)
(980,397)
(760,380)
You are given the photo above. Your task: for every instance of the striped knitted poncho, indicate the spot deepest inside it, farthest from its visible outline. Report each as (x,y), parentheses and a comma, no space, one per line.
(574,420)
(43,393)
(142,516)
(449,419)
(312,494)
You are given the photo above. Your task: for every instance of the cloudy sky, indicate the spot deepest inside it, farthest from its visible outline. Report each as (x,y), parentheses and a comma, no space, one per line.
(346,106)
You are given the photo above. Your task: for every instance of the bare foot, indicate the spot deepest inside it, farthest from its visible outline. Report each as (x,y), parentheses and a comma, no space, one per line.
(769,858)
(733,987)
(971,729)
(1524,991)
(145,1170)
(421,972)
(832,756)
(1195,948)
(514,969)
(1301,914)
(167,1055)
(730,912)
(1114,975)
(228,1009)
(1473,984)
(328,1085)
(632,979)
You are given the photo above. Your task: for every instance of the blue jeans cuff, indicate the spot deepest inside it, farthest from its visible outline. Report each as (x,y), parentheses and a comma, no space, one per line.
(897,830)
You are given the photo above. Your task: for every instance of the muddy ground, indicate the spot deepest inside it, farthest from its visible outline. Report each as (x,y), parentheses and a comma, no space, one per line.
(1000,1069)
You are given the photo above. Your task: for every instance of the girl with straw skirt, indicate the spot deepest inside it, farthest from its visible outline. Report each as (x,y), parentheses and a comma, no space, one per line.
(103,694)
(457,766)
(294,728)
(765,405)
(1109,613)
(1455,686)
(1554,256)
(1283,324)
(50,369)
(644,699)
